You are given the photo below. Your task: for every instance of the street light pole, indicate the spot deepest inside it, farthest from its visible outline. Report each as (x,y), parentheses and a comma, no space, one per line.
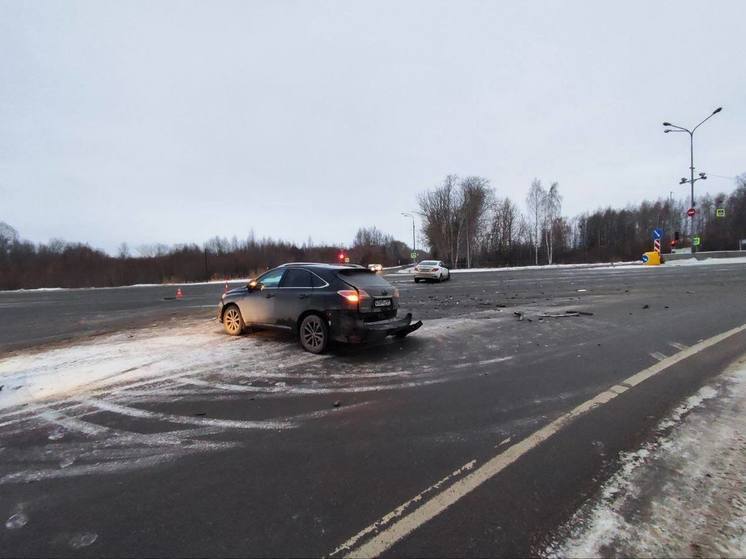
(702,176)
(407,214)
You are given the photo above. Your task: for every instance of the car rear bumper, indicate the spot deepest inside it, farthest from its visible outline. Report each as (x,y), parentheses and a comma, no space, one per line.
(352,329)
(427,275)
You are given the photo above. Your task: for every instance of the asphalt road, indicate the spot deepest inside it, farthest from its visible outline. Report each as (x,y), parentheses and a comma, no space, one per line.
(200,444)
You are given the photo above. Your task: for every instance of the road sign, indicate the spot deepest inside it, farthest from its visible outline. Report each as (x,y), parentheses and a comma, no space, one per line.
(644,258)
(413,255)
(657,245)
(657,233)
(720,212)
(347,259)
(690,212)
(696,241)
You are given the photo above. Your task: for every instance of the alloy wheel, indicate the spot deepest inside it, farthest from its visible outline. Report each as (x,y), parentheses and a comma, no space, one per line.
(232,321)
(313,333)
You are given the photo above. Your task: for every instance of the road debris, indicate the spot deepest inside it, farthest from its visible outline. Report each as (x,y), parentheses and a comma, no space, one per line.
(565,314)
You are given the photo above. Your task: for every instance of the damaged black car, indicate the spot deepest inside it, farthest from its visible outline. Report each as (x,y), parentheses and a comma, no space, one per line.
(319,303)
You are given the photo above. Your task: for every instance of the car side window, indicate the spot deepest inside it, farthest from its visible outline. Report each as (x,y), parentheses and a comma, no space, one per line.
(271,278)
(316,281)
(296,278)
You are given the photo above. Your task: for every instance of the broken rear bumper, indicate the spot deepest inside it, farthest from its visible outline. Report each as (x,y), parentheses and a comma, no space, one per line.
(346,329)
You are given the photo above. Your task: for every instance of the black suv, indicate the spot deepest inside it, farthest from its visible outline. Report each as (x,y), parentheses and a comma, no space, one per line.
(319,302)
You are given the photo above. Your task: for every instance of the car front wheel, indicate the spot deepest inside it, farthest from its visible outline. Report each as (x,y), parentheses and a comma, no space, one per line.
(233,323)
(314,334)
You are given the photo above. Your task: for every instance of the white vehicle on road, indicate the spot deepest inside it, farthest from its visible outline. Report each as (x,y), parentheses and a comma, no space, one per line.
(431,270)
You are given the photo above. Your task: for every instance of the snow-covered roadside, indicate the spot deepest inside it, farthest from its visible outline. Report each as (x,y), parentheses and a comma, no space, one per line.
(239,281)
(410,270)
(705,262)
(682,495)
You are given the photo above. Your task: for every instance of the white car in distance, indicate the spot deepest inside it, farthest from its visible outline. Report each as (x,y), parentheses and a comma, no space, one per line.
(431,270)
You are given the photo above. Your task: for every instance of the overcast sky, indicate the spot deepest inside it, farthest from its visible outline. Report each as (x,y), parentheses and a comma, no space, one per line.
(173,122)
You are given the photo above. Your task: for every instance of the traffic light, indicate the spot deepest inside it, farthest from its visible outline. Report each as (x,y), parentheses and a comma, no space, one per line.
(341,256)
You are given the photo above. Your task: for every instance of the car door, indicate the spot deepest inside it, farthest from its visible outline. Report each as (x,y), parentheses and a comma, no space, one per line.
(293,296)
(258,307)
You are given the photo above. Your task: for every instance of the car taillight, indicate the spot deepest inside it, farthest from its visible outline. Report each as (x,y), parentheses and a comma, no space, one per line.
(416,268)
(352,295)
(433,269)
(349,295)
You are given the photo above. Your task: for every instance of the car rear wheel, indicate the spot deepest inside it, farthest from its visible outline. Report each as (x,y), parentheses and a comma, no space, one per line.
(233,323)
(417,280)
(314,334)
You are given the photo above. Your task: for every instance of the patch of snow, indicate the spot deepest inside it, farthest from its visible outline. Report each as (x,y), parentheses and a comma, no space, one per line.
(681,495)
(705,262)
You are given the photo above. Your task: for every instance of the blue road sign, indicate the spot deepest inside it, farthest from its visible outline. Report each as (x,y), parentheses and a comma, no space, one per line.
(657,233)
(644,258)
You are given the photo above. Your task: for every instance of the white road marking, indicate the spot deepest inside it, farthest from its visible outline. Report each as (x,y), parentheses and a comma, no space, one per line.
(677,345)
(397,512)
(386,537)
(658,356)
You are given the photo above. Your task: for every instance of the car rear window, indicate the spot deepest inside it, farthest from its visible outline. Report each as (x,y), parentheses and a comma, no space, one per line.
(363,278)
(429,263)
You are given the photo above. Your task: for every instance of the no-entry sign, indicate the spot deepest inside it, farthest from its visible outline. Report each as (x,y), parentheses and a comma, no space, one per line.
(690,212)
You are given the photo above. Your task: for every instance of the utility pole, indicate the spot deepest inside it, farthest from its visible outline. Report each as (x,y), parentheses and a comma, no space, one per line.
(692,180)
(414,247)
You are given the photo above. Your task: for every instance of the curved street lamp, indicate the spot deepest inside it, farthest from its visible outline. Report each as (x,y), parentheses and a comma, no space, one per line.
(702,176)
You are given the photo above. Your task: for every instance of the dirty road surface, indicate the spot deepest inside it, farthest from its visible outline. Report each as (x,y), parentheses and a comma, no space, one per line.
(131,425)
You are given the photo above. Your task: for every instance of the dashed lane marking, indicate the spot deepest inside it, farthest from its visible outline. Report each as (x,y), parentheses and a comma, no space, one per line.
(396,525)
(658,356)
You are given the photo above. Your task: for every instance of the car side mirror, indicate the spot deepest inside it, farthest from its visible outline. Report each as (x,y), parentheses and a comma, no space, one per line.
(252,285)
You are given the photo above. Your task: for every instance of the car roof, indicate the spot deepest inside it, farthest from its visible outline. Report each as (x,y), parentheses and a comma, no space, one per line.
(323,265)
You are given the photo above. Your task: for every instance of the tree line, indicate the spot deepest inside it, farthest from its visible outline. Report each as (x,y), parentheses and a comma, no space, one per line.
(27,265)
(466,223)
(463,222)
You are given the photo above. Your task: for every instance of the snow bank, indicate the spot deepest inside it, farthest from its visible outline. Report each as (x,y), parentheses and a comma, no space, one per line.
(681,495)
(410,270)
(705,262)
(242,281)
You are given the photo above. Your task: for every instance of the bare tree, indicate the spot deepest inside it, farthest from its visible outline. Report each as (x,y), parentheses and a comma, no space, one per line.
(535,205)
(552,208)
(439,214)
(123,251)
(369,236)
(475,193)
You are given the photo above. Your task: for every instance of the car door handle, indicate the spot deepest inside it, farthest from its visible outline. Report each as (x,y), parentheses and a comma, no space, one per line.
(303,296)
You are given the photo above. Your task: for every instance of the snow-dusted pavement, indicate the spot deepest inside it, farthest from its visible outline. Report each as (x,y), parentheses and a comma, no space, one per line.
(682,495)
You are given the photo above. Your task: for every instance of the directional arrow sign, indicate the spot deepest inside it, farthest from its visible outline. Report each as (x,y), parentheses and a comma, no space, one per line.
(657,233)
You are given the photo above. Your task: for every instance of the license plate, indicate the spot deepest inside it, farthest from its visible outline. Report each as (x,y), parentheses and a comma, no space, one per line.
(382,303)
